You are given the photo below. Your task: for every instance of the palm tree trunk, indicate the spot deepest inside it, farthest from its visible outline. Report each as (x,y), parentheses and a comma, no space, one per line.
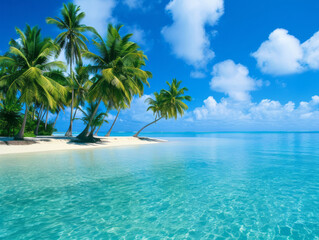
(46,120)
(33,114)
(92,131)
(136,134)
(36,131)
(84,133)
(101,124)
(109,132)
(76,109)
(57,115)
(20,134)
(69,132)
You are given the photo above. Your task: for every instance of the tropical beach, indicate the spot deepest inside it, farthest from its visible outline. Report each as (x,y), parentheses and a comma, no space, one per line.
(52,144)
(171,119)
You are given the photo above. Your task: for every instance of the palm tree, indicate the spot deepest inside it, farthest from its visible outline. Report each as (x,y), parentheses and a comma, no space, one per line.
(168,103)
(61,102)
(72,41)
(118,105)
(30,56)
(118,64)
(98,119)
(81,85)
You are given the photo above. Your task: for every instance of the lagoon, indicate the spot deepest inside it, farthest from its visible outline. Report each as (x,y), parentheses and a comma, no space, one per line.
(196,186)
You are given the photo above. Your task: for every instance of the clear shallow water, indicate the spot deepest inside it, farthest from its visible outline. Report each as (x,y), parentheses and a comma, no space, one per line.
(205,186)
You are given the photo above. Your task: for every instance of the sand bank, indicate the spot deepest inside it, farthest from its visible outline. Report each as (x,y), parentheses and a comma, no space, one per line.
(44,144)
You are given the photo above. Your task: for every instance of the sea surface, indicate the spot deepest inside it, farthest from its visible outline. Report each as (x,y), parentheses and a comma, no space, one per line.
(195,186)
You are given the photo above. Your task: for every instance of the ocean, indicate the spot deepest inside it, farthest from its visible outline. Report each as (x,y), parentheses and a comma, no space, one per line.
(195,186)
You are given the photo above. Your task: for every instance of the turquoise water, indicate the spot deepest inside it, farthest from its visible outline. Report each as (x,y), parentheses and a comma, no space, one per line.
(204,186)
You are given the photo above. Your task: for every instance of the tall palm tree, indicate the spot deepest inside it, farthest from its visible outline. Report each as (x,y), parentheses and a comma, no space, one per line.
(30,56)
(61,102)
(81,85)
(118,64)
(72,41)
(168,103)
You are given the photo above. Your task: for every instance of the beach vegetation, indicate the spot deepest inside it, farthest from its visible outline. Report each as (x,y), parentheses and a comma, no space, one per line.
(168,103)
(35,87)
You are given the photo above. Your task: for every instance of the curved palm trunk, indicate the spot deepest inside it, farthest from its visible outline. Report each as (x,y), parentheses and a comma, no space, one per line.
(136,134)
(20,134)
(56,118)
(109,132)
(69,132)
(100,125)
(46,119)
(36,131)
(84,134)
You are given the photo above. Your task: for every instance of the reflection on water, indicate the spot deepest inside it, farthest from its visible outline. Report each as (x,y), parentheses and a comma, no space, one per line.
(208,186)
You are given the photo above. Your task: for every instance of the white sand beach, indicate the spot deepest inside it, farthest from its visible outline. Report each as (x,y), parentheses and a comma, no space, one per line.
(54,143)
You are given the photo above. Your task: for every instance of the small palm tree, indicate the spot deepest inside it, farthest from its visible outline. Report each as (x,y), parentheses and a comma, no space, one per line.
(31,57)
(168,103)
(72,41)
(98,119)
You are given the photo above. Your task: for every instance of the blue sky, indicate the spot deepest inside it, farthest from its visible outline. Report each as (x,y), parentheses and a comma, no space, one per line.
(249,65)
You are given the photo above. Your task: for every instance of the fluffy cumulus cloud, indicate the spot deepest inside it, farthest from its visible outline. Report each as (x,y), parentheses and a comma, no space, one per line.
(311,51)
(233,80)
(187,34)
(264,115)
(98,13)
(280,54)
(283,54)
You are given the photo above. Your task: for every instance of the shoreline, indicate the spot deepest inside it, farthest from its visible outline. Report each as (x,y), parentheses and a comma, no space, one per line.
(57,143)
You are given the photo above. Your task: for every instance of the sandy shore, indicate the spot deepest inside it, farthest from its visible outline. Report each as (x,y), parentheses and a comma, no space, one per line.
(44,144)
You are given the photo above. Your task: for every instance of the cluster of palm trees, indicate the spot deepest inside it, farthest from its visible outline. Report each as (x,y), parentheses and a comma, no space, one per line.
(31,75)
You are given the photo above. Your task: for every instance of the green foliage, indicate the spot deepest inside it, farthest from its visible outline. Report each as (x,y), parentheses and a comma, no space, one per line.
(10,117)
(98,119)
(169,103)
(118,64)
(71,38)
(31,80)
(31,125)
(31,58)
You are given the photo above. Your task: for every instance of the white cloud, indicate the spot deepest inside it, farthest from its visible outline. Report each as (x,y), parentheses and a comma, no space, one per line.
(233,80)
(265,115)
(140,37)
(283,54)
(134,3)
(187,34)
(311,51)
(225,109)
(138,110)
(98,13)
(110,117)
(197,74)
